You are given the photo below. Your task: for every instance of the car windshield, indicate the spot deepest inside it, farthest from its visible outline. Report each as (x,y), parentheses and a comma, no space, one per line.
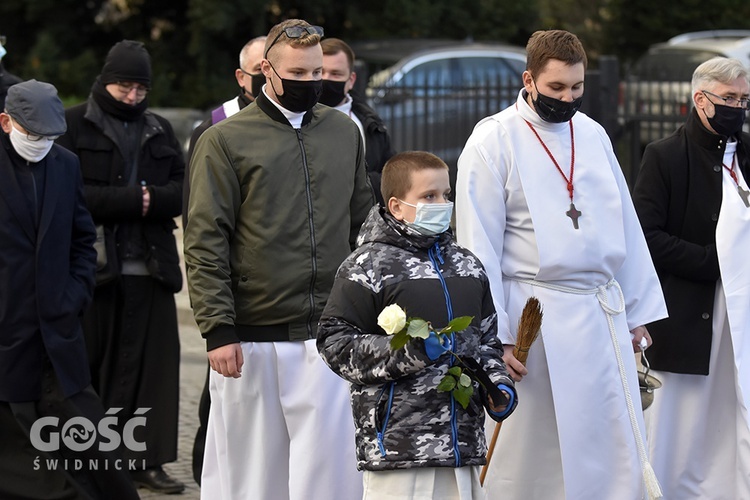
(671,65)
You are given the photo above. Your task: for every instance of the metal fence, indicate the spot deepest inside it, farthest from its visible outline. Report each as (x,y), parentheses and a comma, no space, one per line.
(437,118)
(440,119)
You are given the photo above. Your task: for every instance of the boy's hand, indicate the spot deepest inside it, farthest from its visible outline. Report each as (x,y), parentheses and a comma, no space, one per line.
(227,360)
(501,408)
(516,370)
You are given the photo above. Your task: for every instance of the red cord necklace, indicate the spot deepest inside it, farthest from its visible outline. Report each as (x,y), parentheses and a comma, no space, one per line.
(744,193)
(572,212)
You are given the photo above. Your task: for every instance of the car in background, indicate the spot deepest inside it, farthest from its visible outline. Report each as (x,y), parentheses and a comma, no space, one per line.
(431,99)
(657,92)
(183,121)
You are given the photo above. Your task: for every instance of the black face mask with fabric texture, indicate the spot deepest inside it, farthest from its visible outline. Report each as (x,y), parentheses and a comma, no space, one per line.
(256,84)
(554,110)
(727,120)
(333,93)
(299,95)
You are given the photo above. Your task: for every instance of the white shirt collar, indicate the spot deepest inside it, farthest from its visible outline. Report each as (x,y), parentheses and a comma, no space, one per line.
(295,119)
(346,106)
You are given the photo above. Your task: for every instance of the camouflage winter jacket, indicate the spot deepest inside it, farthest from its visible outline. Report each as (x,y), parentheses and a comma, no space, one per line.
(401,420)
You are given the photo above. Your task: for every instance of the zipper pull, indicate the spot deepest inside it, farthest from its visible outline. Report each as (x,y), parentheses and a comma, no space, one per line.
(438,253)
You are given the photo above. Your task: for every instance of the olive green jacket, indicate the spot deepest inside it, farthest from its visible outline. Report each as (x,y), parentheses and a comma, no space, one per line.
(273,212)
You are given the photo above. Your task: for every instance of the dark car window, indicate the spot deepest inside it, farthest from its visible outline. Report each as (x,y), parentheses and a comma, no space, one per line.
(431,74)
(484,71)
(671,65)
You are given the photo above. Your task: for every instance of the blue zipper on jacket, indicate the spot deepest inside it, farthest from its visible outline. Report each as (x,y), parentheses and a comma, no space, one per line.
(313,244)
(381,431)
(436,256)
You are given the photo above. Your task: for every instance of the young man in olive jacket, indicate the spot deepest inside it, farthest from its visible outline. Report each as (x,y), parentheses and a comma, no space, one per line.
(692,200)
(133,167)
(278,193)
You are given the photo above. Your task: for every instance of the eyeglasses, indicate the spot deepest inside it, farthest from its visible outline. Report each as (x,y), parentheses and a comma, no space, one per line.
(728,101)
(32,137)
(295,32)
(127,87)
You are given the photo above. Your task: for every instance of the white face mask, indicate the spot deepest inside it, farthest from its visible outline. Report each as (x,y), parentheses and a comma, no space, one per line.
(32,151)
(432,218)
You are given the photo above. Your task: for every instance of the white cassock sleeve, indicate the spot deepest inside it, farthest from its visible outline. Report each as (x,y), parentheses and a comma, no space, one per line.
(480,210)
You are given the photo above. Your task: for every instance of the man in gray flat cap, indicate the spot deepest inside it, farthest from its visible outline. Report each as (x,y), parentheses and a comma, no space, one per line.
(50,416)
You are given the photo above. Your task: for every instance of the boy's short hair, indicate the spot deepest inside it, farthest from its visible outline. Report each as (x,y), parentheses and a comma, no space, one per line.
(332,46)
(553,44)
(395,180)
(276,38)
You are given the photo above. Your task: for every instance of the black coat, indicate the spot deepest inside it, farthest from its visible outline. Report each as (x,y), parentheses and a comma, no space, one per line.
(112,201)
(6,81)
(678,196)
(46,279)
(378,149)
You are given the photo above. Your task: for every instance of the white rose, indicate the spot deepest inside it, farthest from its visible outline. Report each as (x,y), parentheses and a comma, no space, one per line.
(392,319)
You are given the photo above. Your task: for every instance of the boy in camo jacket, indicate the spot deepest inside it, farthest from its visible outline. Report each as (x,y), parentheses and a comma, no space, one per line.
(413,441)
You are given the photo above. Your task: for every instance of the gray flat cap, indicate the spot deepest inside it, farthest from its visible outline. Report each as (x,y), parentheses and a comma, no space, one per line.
(36,107)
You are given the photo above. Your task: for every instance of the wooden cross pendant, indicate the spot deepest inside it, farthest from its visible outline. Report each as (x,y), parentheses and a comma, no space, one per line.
(574,213)
(744,194)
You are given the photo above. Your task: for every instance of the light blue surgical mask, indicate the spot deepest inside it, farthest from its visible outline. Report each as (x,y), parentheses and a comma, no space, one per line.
(432,218)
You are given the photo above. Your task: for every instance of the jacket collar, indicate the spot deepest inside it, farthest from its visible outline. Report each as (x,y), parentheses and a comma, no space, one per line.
(382,227)
(367,115)
(11,191)
(265,104)
(703,137)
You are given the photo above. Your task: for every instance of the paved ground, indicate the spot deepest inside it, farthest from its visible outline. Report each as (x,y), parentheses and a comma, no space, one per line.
(192,376)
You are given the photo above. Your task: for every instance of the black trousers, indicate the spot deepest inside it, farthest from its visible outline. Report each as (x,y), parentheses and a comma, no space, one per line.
(28,473)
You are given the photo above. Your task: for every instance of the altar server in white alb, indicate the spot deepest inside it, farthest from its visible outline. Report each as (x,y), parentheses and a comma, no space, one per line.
(693,201)
(541,200)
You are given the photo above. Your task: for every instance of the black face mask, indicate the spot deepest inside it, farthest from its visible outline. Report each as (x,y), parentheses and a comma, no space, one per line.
(333,93)
(727,120)
(554,110)
(256,84)
(299,95)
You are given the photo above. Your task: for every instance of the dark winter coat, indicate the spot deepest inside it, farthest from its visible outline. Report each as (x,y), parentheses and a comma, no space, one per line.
(112,201)
(378,149)
(46,278)
(401,419)
(678,196)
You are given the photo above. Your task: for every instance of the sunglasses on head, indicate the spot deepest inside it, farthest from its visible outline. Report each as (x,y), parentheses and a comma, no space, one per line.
(295,32)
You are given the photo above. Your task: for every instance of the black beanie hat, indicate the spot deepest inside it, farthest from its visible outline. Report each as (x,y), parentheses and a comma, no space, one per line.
(127,61)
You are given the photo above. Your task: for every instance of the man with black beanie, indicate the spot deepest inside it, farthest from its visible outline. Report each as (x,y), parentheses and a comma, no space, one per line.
(133,168)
